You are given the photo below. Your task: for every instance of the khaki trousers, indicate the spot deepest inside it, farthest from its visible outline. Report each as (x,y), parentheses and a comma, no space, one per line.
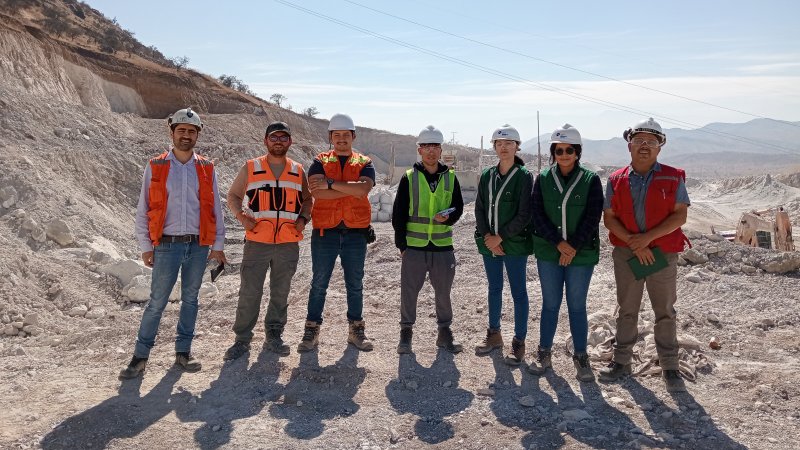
(281,261)
(662,290)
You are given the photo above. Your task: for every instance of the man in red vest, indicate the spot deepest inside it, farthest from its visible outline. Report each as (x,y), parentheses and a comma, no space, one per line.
(271,199)
(646,203)
(179,226)
(340,180)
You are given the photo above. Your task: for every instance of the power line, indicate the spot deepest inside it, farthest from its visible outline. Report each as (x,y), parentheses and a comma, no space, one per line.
(564,66)
(540,85)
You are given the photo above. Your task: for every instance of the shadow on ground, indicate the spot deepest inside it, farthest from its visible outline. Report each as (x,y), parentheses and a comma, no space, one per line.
(431,394)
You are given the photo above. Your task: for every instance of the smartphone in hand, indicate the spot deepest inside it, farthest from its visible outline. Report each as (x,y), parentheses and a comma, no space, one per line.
(446,212)
(217,267)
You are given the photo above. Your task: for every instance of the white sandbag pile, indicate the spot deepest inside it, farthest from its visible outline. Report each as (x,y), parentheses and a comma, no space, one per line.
(381,198)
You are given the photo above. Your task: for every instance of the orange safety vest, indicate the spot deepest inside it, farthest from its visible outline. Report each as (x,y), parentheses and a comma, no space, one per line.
(158,196)
(274,202)
(659,204)
(355,212)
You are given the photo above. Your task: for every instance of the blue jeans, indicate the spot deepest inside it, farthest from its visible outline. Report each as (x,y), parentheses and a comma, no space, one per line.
(516,266)
(169,258)
(553,278)
(351,247)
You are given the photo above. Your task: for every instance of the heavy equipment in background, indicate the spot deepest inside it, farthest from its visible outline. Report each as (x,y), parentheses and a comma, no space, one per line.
(770,228)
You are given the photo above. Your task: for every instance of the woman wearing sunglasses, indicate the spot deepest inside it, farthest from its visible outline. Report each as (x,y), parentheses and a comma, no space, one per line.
(567,203)
(502,219)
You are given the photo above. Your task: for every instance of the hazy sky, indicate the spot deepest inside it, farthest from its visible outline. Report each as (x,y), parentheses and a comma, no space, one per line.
(597,65)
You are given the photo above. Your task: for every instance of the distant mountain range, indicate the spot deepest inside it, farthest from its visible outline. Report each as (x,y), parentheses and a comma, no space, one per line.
(717,149)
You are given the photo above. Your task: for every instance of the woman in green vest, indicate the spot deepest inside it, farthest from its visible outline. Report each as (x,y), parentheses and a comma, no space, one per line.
(567,203)
(502,218)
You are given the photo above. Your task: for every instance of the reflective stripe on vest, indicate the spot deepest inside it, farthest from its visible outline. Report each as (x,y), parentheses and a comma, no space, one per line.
(355,212)
(494,207)
(421,228)
(274,202)
(158,197)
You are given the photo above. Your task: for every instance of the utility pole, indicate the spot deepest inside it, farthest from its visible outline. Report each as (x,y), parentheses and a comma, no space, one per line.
(538,142)
(453,139)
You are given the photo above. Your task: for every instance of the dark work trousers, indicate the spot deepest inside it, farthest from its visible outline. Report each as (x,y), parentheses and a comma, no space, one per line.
(442,269)
(281,261)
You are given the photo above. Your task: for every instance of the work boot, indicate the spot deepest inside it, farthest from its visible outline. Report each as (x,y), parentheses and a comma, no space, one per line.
(274,342)
(674,381)
(614,372)
(187,361)
(134,369)
(583,368)
(236,350)
(542,362)
(492,341)
(445,340)
(406,333)
(517,354)
(310,337)
(357,337)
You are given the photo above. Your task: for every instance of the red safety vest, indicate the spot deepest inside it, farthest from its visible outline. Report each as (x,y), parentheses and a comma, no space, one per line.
(355,212)
(275,202)
(157,212)
(659,203)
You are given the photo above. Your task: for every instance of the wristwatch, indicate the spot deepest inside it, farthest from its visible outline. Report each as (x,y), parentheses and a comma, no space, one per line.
(330,183)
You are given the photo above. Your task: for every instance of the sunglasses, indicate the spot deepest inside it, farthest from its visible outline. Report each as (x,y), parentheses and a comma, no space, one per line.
(279,138)
(568,150)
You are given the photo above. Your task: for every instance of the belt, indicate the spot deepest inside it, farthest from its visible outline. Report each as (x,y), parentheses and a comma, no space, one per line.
(186,238)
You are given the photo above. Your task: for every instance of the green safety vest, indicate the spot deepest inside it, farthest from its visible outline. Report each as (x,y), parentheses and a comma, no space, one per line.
(502,202)
(564,206)
(423,206)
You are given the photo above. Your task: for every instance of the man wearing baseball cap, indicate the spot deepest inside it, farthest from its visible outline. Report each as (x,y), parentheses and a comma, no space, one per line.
(271,199)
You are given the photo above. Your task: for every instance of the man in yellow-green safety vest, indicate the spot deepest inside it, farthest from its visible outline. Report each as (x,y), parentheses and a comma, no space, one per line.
(427,204)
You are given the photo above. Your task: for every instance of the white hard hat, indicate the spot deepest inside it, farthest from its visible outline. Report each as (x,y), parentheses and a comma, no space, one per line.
(185,116)
(646,126)
(341,122)
(506,132)
(566,135)
(430,135)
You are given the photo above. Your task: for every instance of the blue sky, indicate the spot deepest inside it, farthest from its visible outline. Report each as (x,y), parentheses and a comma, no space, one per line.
(596,65)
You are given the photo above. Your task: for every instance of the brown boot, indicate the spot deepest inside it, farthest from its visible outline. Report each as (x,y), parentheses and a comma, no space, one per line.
(310,337)
(542,362)
(274,342)
(135,368)
(357,337)
(445,340)
(582,367)
(406,334)
(517,354)
(492,341)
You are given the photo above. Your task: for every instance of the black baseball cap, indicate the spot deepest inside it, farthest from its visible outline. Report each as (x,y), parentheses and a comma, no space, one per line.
(274,127)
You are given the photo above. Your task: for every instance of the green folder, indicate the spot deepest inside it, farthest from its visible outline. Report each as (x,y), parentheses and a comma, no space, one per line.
(640,270)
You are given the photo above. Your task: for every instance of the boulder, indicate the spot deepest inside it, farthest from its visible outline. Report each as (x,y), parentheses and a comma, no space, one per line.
(78,311)
(124,270)
(781,263)
(103,250)
(137,290)
(95,313)
(8,196)
(694,256)
(28,224)
(59,231)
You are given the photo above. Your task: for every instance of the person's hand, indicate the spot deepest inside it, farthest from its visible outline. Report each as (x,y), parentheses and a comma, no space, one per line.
(300,224)
(440,218)
(566,250)
(639,241)
(318,184)
(219,255)
(147,258)
(565,260)
(247,222)
(498,251)
(645,256)
(492,241)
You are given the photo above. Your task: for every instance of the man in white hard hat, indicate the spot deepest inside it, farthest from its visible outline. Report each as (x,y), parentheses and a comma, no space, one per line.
(646,203)
(340,180)
(179,226)
(427,204)
(271,198)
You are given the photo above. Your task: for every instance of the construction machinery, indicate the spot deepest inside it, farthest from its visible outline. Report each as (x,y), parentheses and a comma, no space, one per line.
(770,228)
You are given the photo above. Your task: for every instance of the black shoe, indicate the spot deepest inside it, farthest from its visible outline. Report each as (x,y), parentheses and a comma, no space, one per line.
(187,361)
(236,350)
(674,381)
(275,343)
(445,340)
(134,369)
(406,333)
(614,372)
